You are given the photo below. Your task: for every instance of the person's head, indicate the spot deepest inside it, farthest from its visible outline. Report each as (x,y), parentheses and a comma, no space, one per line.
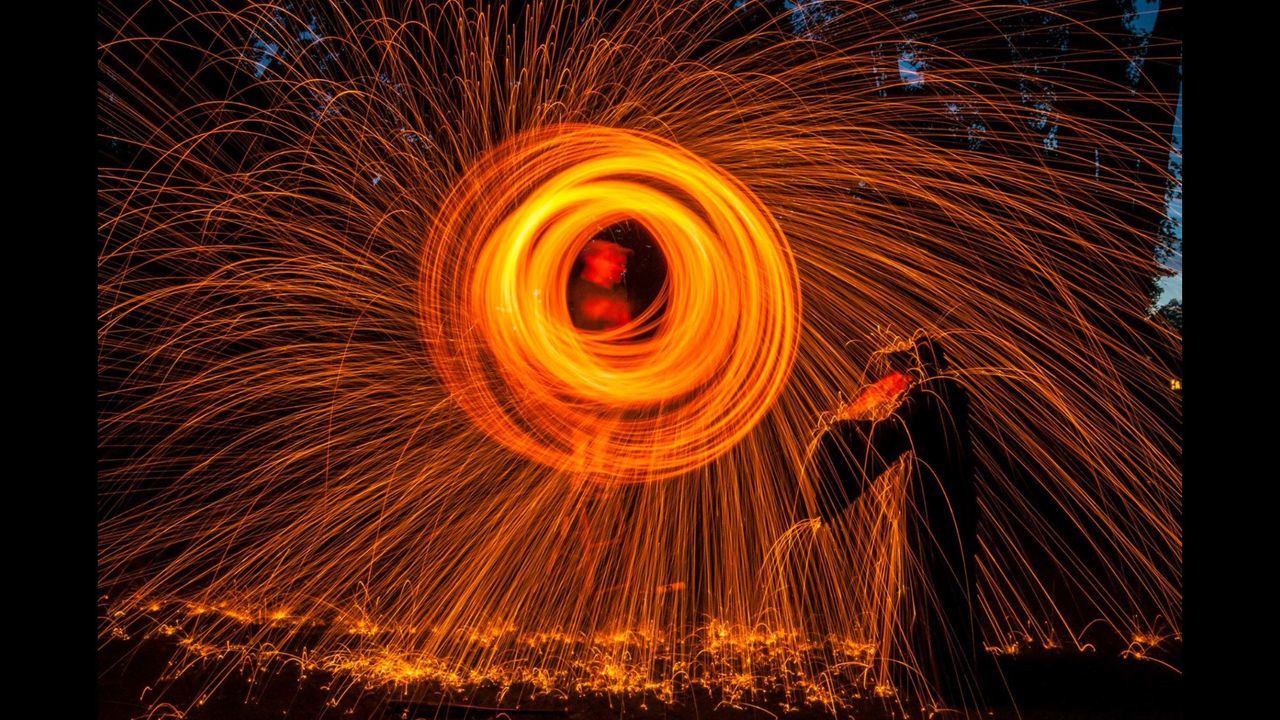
(924,358)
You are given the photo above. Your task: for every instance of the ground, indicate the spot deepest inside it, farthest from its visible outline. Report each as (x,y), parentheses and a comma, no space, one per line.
(1048,685)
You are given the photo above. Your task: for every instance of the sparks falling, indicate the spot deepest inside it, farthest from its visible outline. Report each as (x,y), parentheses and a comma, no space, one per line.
(342,377)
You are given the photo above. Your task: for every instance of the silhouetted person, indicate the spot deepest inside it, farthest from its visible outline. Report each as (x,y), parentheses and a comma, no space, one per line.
(916,408)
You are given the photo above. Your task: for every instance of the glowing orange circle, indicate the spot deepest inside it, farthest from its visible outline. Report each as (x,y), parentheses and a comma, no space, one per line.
(617,404)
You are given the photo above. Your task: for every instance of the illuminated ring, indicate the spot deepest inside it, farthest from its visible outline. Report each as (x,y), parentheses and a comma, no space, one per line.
(655,397)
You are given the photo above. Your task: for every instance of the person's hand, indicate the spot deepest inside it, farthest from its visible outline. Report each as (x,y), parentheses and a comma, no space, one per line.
(878,400)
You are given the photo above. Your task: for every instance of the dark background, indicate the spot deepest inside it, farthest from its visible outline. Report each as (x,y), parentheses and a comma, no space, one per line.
(1024,40)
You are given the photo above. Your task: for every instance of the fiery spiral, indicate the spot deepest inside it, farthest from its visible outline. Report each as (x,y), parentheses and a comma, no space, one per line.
(611,404)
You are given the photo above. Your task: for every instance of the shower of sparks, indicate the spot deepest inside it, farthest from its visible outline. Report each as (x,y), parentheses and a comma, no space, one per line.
(346,403)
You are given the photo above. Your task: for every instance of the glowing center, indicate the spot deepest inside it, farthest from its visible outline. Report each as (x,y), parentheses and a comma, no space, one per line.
(620,276)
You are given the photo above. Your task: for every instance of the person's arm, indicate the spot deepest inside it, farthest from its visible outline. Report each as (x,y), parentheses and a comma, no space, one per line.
(868,436)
